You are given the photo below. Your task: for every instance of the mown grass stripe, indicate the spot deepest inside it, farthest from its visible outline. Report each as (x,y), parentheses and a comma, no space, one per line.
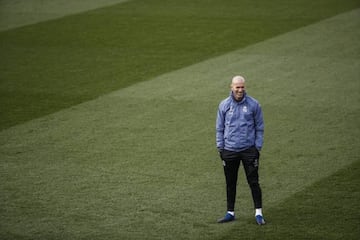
(137,163)
(327,209)
(56,64)
(15,14)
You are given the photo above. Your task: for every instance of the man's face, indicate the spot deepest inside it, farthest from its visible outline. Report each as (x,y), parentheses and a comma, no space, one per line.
(238,89)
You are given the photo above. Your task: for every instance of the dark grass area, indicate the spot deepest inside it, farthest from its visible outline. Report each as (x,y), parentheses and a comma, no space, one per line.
(328,209)
(56,64)
(320,211)
(129,167)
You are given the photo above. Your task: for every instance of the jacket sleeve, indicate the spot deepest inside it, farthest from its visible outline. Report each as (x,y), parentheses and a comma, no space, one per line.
(259,128)
(220,126)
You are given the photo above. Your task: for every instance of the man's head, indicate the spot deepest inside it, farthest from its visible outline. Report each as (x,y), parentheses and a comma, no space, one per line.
(238,87)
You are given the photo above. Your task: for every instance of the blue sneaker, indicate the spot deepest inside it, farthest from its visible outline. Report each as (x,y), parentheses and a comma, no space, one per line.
(260,220)
(228,218)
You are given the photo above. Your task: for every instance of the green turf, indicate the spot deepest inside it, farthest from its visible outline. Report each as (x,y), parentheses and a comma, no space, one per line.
(328,209)
(19,13)
(141,163)
(57,64)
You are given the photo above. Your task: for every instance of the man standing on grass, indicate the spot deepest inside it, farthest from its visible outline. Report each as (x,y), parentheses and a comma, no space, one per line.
(239,138)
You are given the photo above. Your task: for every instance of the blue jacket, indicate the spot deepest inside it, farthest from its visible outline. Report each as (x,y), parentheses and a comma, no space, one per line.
(239,125)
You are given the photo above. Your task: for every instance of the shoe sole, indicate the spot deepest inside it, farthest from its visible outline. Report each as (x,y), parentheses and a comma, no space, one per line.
(225,221)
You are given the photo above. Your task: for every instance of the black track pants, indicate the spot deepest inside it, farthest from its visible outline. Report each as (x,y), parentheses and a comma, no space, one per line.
(231,162)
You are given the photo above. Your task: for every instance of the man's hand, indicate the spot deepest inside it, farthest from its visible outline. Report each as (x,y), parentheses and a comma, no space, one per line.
(220,150)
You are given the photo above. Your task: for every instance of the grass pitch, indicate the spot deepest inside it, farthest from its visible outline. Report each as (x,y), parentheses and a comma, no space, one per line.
(140,162)
(56,64)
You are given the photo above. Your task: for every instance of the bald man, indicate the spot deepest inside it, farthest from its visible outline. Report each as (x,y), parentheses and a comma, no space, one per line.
(239,138)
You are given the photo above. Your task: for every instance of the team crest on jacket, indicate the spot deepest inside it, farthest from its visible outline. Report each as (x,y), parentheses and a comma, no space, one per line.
(245,109)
